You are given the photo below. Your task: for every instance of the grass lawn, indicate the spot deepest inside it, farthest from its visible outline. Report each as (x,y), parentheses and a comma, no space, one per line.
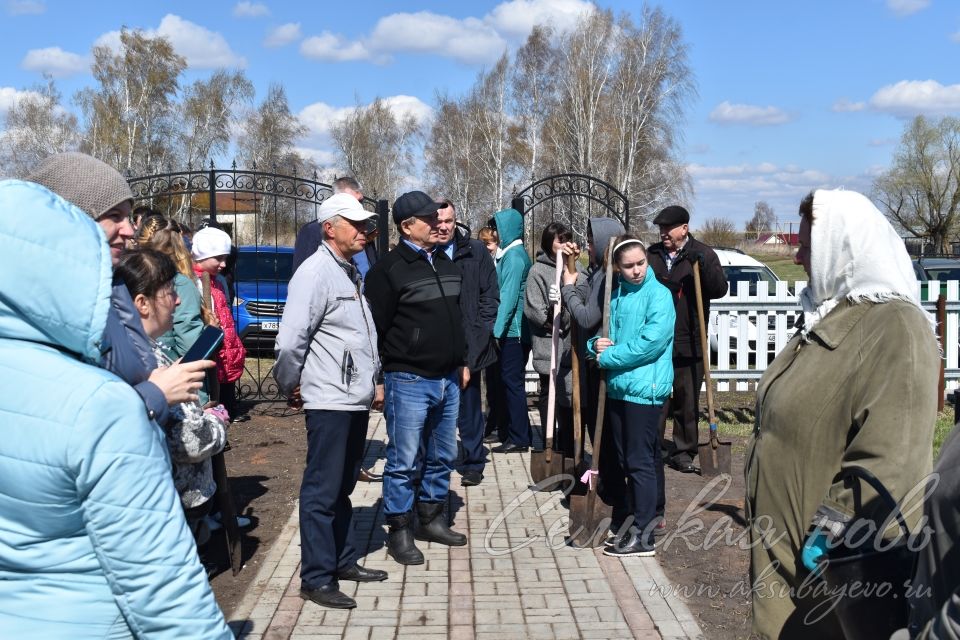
(941,430)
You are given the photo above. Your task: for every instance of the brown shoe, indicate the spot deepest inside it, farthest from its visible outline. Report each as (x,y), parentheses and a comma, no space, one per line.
(367,475)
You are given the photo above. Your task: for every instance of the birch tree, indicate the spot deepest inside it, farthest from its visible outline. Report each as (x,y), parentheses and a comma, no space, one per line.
(130,113)
(36,126)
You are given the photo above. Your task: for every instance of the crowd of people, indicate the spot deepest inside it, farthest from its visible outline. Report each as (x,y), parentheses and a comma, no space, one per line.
(116,433)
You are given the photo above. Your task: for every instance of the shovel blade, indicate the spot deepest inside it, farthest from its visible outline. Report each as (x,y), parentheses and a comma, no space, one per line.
(589,520)
(714,462)
(538,466)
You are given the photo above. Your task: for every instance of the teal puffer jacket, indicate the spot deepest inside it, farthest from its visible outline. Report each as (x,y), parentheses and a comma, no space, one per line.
(513,266)
(639,365)
(94,543)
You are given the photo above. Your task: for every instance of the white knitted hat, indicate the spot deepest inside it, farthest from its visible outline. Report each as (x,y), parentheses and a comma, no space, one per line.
(210,242)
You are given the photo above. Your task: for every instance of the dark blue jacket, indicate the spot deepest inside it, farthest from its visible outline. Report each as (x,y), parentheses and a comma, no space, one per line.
(479,298)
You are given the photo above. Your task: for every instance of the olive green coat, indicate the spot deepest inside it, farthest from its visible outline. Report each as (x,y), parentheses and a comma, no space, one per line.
(862,392)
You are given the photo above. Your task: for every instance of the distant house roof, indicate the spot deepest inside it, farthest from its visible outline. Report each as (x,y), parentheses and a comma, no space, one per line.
(789,239)
(229,202)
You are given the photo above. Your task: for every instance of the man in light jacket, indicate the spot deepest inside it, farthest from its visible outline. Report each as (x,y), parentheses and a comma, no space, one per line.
(327,363)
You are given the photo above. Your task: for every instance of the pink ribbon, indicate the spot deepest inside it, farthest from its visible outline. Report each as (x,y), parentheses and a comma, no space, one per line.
(587,477)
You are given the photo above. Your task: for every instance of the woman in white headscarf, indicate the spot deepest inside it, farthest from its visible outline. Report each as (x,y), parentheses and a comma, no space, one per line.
(856,386)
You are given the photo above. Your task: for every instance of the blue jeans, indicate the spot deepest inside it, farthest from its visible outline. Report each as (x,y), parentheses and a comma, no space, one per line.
(335,442)
(419,412)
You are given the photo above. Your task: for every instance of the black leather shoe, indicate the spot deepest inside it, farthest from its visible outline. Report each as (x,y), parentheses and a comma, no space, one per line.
(367,475)
(631,545)
(356,573)
(682,466)
(510,448)
(471,478)
(491,438)
(329,595)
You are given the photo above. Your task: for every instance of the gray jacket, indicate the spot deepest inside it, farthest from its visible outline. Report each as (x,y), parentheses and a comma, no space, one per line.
(539,314)
(327,340)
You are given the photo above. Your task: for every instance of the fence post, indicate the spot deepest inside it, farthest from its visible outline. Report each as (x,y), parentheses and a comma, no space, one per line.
(941,328)
(212,180)
(383,228)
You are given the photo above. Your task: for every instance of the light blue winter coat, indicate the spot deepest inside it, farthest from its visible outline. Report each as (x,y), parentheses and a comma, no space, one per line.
(93,542)
(639,365)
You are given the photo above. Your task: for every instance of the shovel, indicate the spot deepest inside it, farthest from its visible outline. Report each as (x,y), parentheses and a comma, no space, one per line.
(546,466)
(572,466)
(714,455)
(589,515)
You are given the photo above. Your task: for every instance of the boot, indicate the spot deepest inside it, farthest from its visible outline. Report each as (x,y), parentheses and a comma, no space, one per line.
(400,544)
(432,526)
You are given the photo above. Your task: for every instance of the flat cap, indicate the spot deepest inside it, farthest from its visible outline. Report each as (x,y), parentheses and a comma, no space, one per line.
(674,214)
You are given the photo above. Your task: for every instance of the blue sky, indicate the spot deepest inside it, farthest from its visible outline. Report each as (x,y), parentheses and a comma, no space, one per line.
(791,95)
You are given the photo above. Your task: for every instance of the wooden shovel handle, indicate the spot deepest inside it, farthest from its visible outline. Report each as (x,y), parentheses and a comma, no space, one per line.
(554,365)
(575,374)
(604,333)
(704,346)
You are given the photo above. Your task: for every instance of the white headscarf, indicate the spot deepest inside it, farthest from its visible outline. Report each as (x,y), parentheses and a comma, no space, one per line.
(855,254)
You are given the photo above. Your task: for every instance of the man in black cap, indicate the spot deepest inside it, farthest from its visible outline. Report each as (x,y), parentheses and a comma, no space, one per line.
(413,294)
(672,261)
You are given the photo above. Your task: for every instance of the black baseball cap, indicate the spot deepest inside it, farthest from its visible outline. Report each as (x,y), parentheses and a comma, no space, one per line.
(414,203)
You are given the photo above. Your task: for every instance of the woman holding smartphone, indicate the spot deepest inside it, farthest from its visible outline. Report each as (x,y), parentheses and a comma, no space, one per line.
(193,435)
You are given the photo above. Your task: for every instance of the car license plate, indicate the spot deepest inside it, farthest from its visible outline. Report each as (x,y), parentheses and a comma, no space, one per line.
(270,326)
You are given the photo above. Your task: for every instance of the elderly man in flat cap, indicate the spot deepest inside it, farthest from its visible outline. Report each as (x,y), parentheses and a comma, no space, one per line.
(672,261)
(103,194)
(327,363)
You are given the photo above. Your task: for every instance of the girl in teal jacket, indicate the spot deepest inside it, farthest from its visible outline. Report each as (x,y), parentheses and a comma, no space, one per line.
(638,361)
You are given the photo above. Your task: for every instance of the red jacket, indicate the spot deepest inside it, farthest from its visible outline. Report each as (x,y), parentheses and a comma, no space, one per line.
(232,354)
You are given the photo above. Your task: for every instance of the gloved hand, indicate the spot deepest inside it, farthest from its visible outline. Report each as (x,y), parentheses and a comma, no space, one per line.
(553,295)
(814,548)
(695,256)
(220,411)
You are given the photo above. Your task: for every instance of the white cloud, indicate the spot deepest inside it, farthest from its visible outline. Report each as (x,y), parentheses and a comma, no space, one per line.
(331,47)
(469,40)
(283,35)
(203,49)
(843,105)
(907,7)
(410,105)
(250,10)
(323,157)
(9,97)
(908,98)
(25,7)
(55,61)
(516,18)
(727,113)
(881,142)
(955,37)
(730,191)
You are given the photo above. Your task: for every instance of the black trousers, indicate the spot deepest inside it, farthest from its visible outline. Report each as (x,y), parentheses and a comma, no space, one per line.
(635,432)
(497,419)
(471,427)
(684,408)
(335,442)
(612,483)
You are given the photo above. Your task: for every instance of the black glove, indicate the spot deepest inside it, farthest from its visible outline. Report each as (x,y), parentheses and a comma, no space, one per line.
(694,257)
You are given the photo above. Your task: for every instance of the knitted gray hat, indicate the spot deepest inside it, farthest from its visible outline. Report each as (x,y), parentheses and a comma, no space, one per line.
(90,184)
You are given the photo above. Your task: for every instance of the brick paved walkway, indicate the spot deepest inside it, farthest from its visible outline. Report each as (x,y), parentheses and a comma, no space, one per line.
(515,578)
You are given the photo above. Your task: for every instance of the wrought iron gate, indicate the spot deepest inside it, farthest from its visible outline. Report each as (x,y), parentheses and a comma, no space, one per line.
(262,211)
(572,198)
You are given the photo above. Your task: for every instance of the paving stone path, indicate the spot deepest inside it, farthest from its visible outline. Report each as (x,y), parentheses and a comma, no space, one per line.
(515,578)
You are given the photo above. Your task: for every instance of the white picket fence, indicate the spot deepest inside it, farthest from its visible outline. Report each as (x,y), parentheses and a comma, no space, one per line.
(743,319)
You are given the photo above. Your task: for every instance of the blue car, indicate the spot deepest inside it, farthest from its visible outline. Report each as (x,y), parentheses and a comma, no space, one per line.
(262,274)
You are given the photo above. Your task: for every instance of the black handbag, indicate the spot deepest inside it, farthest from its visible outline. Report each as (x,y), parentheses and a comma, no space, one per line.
(871,578)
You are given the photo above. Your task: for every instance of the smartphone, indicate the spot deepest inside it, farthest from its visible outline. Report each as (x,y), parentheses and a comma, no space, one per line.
(206,345)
